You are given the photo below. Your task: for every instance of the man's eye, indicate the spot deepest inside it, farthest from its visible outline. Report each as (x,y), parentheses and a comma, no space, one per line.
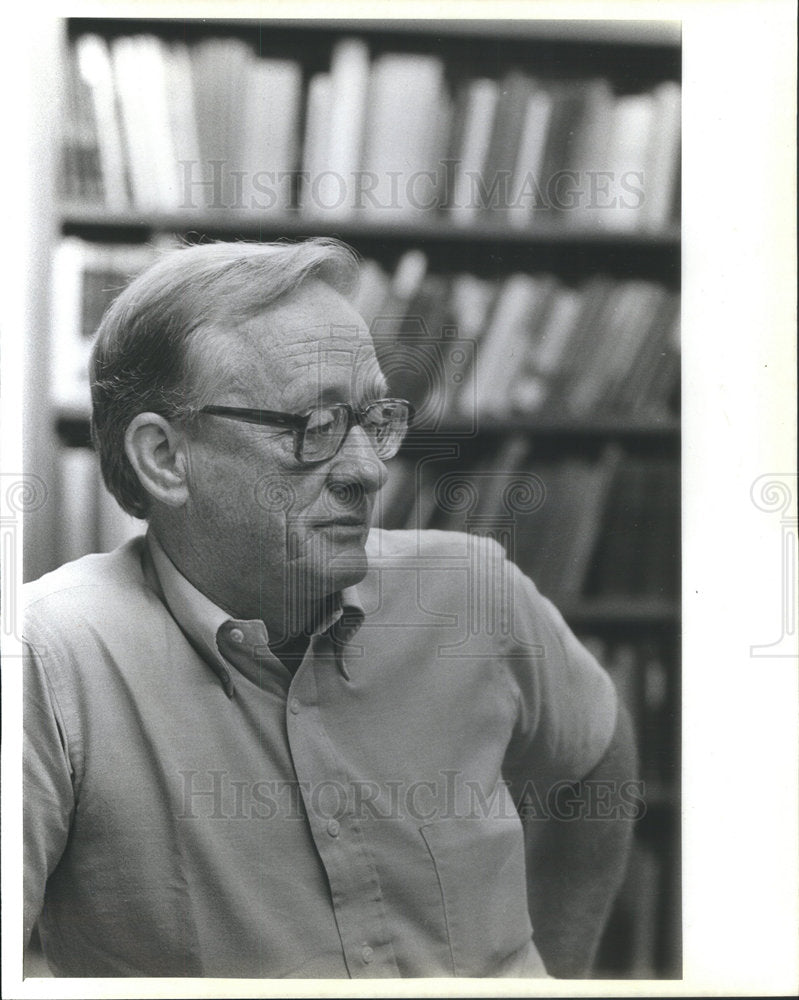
(323,428)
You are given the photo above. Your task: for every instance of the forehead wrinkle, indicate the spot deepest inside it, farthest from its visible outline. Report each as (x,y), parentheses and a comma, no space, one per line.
(294,351)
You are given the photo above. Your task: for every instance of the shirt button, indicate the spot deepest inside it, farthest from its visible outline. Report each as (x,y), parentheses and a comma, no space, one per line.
(367,954)
(333,827)
(236,635)
(294,706)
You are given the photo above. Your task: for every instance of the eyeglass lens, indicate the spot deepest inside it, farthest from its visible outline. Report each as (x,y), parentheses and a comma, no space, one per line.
(384,422)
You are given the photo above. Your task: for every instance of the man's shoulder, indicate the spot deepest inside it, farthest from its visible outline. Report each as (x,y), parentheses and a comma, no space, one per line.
(95,584)
(430,546)
(414,573)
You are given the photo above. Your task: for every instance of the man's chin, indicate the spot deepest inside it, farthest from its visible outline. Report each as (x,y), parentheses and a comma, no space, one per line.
(345,569)
(330,567)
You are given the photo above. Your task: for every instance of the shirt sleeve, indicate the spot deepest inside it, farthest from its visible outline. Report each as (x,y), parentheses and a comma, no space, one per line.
(48,799)
(566,702)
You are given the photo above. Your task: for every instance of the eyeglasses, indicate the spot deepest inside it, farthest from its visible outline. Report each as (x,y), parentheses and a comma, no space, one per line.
(319,435)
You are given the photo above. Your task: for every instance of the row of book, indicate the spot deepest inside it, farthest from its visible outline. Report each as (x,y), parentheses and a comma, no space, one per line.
(579,528)
(639,938)
(642,933)
(644,673)
(166,126)
(600,528)
(460,347)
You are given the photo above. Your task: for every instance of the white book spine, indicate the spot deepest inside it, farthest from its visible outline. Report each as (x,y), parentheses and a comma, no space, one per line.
(478,126)
(349,74)
(316,142)
(94,65)
(525,186)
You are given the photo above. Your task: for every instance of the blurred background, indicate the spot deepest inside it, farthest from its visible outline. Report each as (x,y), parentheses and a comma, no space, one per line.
(513,190)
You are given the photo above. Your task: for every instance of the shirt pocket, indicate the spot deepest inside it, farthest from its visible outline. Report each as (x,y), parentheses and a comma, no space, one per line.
(481,875)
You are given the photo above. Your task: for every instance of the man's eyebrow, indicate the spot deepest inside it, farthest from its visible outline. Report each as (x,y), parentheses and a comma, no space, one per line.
(376,388)
(379,389)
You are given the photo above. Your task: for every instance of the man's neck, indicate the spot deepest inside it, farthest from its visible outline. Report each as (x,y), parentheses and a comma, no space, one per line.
(288,628)
(291,651)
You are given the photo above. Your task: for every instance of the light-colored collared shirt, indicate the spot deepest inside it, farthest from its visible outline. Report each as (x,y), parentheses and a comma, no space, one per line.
(195,809)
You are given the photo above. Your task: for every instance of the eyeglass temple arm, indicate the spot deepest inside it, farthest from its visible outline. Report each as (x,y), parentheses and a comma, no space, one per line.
(271,417)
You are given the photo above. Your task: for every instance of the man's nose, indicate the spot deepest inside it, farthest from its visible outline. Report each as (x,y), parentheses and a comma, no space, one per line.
(357,462)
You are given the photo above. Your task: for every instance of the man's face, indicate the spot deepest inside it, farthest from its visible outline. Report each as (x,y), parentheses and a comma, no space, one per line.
(277,534)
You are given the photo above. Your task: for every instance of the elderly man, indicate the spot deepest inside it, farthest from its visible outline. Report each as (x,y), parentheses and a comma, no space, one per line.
(265,741)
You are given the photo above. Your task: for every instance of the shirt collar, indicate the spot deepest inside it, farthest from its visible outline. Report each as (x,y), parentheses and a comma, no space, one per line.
(202,621)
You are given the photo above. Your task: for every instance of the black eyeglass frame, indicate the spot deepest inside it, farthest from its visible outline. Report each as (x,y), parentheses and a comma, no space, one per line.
(298,422)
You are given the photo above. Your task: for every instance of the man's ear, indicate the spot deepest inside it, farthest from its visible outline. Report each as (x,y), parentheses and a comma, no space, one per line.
(157,452)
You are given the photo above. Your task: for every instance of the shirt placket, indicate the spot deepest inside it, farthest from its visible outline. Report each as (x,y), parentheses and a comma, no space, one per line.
(327,794)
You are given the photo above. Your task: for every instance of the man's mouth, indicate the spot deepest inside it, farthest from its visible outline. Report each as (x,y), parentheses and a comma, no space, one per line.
(343,522)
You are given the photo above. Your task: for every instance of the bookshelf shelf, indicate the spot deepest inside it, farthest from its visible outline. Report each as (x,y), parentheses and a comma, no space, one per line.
(667,428)
(98,222)
(580,32)
(641,612)
(72,426)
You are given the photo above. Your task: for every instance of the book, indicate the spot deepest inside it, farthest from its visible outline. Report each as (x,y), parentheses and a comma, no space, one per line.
(154,94)
(481,98)
(525,192)
(641,325)
(86,279)
(182,111)
(405,137)
(558,191)
(656,382)
(624,325)
(494,480)
(544,358)
(596,296)
(270,150)
(418,362)
(630,134)
(662,159)
(219,69)
(76,503)
(589,491)
(633,395)
(134,117)
(504,342)
(338,192)
(587,155)
(81,176)
(316,142)
(624,670)
(515,90)
(403,287)
(93,61)
(373,289)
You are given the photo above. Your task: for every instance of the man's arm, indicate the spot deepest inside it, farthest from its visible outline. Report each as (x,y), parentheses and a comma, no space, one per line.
(577,856)
(47,787)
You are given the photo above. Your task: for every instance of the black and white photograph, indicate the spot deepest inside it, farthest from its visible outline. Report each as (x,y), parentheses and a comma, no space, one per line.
(411,702)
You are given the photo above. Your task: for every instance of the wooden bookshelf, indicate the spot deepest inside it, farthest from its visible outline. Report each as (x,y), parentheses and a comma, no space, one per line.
(621,613)
(101,223)
(633,57)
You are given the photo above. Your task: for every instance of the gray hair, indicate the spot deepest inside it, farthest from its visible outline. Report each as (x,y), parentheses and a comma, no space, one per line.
(143,358)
